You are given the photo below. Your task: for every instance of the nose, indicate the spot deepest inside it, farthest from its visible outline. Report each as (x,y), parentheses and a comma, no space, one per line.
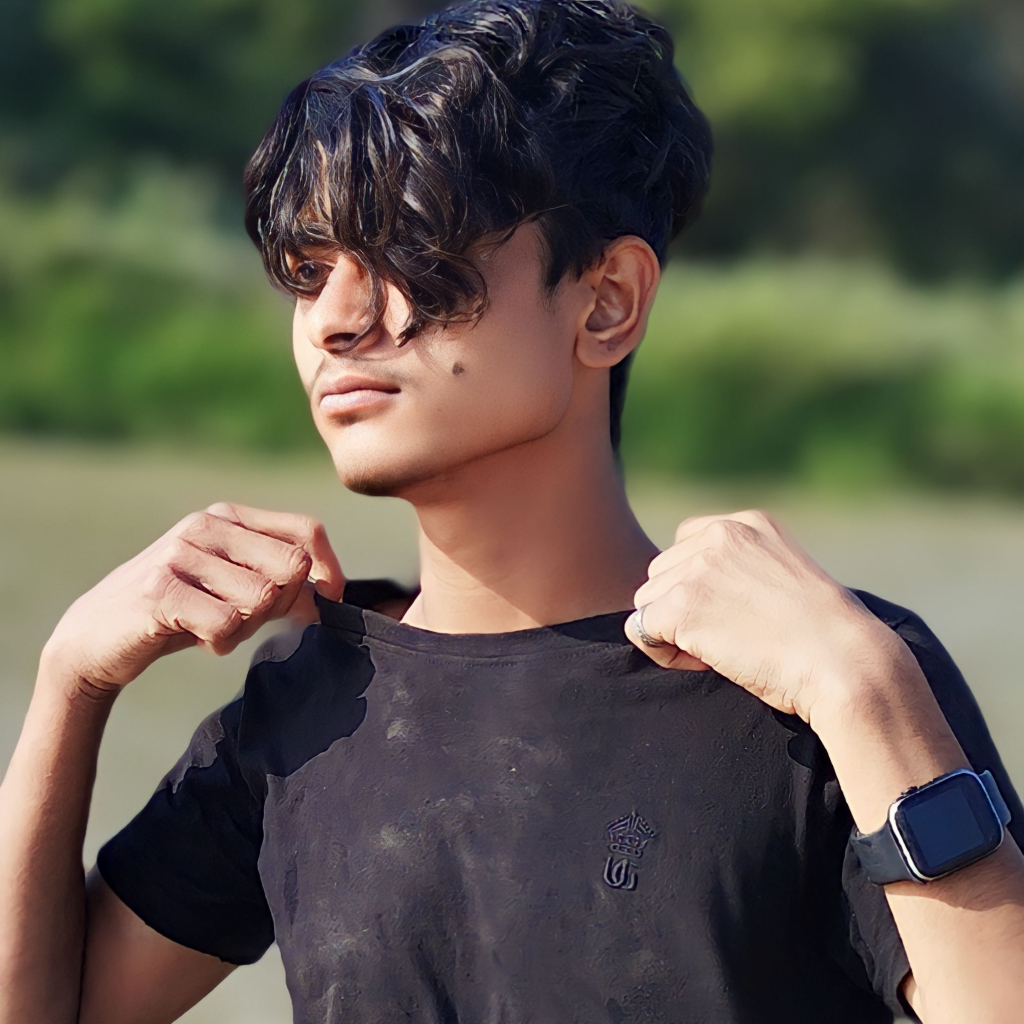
(339,317)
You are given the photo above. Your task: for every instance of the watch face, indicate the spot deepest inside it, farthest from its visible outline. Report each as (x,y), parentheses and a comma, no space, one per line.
(948,825)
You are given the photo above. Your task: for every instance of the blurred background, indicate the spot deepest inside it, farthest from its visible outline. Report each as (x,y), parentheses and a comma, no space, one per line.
(839,339)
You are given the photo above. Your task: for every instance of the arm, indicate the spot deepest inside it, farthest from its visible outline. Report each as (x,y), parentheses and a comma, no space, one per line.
(49,914)
(963,934)
(71,952)
(736,593)
(134,973)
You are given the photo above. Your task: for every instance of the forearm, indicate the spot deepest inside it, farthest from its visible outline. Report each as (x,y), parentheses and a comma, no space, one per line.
(964,934)
(44,807)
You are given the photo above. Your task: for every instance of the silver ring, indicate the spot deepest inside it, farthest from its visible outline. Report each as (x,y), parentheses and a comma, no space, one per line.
(650,641)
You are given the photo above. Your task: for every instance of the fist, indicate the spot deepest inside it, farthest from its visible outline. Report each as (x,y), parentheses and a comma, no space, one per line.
(210,581)
(737,594)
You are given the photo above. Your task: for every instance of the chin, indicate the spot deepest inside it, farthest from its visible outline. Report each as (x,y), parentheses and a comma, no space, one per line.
(381,477)
(387,467)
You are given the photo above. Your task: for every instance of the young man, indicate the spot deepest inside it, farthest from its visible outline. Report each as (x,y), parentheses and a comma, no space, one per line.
(570,778)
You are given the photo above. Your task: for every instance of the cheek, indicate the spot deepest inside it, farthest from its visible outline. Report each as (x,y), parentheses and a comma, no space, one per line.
(504,388)
(307,356)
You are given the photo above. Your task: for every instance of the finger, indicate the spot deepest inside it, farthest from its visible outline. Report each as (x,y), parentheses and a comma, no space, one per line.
(182,607)
(300,529)
(251,592)
(304,608)
(281,560)
(662,582)
(755,517)
(690,530)
(666,654)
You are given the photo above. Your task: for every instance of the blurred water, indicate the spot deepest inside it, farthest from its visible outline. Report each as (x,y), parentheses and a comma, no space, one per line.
(71,513)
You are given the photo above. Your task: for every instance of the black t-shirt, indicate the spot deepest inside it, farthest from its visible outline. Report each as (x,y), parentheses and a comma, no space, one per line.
(537,826)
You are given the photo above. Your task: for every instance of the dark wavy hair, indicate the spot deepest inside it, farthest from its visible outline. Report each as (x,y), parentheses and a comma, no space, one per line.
(433,137)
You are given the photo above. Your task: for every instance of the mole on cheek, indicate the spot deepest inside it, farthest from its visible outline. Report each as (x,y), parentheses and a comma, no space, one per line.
(458,368)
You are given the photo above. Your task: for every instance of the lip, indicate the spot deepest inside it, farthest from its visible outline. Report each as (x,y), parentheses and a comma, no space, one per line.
(351,392)
(350,401)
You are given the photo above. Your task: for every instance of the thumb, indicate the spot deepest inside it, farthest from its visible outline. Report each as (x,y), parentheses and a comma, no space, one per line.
(303,609)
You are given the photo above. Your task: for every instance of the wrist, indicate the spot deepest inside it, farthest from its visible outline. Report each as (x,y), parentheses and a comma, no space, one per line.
(58,678)
(870,673)
(884,732)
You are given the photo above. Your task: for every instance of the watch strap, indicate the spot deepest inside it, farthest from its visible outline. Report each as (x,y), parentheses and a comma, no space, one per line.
(879,855)
(879,851)
(1002,811)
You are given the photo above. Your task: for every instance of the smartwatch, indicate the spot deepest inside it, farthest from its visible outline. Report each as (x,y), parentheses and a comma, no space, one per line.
(935,829)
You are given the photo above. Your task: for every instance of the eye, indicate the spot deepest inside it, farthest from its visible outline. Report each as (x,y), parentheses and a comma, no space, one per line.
(304,276)
(307,272)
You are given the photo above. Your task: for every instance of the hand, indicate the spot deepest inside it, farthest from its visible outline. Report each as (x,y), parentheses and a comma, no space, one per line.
(735,593)
(211,581)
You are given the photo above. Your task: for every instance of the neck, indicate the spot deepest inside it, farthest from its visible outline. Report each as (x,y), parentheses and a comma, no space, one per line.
(533,535)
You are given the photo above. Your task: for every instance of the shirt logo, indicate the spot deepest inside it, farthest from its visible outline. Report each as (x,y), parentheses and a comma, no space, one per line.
(627,837)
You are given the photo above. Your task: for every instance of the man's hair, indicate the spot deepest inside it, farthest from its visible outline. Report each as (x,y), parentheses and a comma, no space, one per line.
(435,136)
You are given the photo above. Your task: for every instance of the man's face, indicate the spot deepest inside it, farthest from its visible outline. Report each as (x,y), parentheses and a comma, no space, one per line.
(458,392)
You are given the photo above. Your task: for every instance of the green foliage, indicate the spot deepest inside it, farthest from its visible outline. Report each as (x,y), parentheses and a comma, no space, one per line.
(138,321)
(199,80)
(882,128)
(780,64)
(830,372)
(889,128)
(861,146)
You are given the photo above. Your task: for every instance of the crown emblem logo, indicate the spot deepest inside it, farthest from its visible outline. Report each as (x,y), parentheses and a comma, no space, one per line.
(627,837)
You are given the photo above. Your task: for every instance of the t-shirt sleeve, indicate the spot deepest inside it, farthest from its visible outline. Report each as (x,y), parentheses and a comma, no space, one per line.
(187,862)
(872,930)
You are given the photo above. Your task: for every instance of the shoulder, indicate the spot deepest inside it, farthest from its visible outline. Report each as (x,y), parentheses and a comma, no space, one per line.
(306,685)
(305,688)
(944,676)
(889,612)
(293,663)
(954,696)
(381,593)
(279,646)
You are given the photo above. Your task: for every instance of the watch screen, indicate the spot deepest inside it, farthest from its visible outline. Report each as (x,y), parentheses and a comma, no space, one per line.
(948,825)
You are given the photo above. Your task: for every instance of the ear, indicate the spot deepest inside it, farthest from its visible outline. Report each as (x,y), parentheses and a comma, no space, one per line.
(623,287)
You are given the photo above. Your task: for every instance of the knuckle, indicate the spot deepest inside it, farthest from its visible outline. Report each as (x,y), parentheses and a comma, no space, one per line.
(222,509)
(721,529)
(158,582)
(176,550)
(299,562)
(725,532)
(187,522)
(228,621)
(682,527)
(267,591)
(195,524)
(762,518)
(309,528)
(745,532)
